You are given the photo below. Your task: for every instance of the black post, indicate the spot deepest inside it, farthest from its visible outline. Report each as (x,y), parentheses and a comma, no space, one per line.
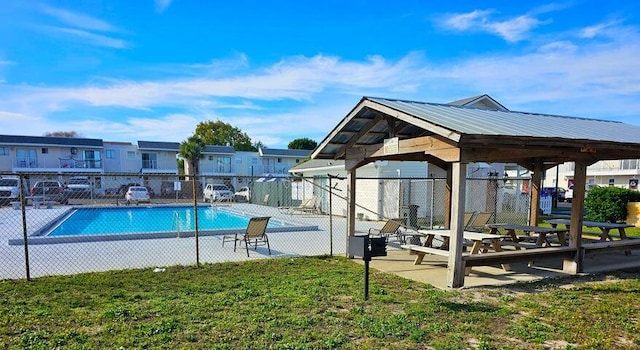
(366,279)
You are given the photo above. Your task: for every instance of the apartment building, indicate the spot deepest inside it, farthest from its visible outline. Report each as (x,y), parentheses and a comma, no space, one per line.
(55,157)
(621,173)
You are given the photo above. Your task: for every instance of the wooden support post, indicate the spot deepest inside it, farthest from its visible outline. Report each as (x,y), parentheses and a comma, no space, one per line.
(455,266)
(536,180)
(577,209)
(351,215)
(447,197)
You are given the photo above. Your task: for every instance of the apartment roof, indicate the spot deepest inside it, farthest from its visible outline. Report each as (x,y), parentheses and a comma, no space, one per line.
(219,149)
(49,141)
(159,146)
(293,153)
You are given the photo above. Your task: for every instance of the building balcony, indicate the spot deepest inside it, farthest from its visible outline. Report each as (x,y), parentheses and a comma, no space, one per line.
(59,165)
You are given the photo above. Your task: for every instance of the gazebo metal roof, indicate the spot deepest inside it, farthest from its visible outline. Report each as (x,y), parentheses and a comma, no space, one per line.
(375,119)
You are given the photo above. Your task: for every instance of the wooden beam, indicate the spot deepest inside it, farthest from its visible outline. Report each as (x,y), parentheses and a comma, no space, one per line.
(351,214)
(455,265)
(419,122)
(577,211)
(355,138)
(536,181)
(430,145)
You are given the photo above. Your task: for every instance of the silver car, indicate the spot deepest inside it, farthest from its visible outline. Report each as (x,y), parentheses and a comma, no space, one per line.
(137,194)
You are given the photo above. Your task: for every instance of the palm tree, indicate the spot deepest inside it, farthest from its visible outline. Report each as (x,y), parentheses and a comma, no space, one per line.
(192,150)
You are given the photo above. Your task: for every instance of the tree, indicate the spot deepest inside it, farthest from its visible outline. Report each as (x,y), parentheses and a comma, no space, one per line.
(71,134)
(303,143)
(192,150)
(258,144)
(222,134)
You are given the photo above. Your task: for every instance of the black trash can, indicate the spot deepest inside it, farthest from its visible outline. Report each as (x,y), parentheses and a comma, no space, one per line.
(410,215)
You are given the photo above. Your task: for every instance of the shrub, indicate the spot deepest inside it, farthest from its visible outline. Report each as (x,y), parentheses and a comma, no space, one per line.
(609,204)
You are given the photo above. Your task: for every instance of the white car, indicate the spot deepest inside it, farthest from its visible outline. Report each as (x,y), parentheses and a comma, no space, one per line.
(217,193)
(137,194)
(243,194)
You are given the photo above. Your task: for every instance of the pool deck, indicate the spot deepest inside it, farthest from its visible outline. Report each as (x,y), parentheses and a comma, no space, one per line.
(72,258)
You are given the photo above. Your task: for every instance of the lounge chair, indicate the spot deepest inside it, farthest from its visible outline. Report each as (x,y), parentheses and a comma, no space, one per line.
(479,222)
(255,235)
(391,227)
(307,206)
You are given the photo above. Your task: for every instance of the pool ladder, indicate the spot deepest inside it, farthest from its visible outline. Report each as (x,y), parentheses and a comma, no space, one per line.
(176,222)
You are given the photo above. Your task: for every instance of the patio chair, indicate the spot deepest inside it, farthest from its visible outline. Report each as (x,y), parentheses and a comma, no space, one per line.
(255,235)
(307,206)
(391,227)
(468,216)
(479,221)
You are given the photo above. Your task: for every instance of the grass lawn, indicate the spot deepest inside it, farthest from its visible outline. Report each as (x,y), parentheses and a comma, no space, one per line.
(312,303)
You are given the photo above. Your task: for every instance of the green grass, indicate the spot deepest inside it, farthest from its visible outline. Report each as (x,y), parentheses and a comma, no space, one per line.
(312,303)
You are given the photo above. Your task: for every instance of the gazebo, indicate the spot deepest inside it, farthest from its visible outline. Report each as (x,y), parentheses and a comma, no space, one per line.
(450,136)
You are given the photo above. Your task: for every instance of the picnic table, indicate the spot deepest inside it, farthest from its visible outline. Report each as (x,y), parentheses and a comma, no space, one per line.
(480,244)
(542,233)
(605,227)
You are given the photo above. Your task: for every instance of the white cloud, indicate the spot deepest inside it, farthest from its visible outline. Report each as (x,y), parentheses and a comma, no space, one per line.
(162,5)
(598,29)
(512,30)
(78,20)
(80,27)
(465,21)
(88,37)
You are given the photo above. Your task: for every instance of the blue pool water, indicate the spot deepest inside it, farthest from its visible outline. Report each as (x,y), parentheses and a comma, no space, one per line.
(131,220)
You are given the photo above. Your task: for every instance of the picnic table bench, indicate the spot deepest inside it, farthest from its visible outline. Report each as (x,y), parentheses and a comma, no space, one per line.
(605,227)
(480,244)
(541,232)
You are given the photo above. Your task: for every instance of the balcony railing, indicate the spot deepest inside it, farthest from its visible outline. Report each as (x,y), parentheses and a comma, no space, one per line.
(79,163)
(149,164)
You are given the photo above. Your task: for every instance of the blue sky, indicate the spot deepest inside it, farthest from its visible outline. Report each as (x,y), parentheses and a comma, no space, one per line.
(279,70)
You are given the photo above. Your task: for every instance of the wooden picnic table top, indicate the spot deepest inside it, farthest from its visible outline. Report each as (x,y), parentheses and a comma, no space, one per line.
(471,235)
(609,225)
(526,228)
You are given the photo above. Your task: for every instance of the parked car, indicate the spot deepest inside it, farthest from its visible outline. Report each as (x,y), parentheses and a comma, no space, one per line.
(551,191)
(50,190)
(124,188)
(217,193)
(243,194)
(9,189)
(137,194)
(79,187)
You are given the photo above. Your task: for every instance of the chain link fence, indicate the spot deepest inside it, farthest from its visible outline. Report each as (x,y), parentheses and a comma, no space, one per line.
(53,224)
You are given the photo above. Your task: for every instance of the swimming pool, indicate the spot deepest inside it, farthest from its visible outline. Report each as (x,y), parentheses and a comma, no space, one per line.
(84,221)
(122,223)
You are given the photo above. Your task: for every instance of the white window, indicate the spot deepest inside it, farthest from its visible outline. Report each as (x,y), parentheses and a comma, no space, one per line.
(224,164)
(4,151)
(131,155)
(238,160)
(110,154)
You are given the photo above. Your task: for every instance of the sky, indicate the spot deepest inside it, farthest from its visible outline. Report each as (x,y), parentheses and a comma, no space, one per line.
(278,70)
